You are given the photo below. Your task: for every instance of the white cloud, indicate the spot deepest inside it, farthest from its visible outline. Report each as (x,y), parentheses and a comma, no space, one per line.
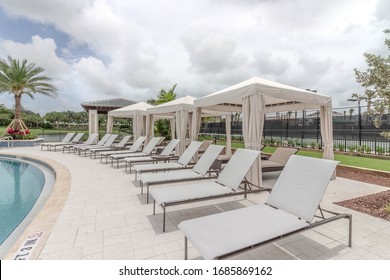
(40,51)
(135,48)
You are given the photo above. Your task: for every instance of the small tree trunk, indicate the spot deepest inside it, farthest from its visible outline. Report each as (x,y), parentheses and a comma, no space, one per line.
(18,98)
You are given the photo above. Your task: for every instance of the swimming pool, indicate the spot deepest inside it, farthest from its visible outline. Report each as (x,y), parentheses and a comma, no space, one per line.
(24,186)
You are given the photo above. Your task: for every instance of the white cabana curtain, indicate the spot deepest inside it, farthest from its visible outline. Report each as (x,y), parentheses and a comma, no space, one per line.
(137,126)
(228,125)
(253,108)
(181,130)
(327,132)
(110,123)
(172,124)
(149,128)
(195,123)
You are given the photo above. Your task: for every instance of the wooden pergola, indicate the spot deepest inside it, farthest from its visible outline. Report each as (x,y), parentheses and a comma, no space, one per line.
(94,108)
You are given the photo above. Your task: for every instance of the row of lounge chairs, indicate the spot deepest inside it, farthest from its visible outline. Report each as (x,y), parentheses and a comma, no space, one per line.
(290,208)
(68,139)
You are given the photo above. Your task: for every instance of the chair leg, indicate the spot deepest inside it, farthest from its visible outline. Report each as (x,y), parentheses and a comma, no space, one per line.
(185,248)
(163,206)
(350,231)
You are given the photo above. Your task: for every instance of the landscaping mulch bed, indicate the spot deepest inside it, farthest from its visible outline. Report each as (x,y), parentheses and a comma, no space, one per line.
(374,204)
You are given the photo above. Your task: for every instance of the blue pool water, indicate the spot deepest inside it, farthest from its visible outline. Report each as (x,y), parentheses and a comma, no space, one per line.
(21,184)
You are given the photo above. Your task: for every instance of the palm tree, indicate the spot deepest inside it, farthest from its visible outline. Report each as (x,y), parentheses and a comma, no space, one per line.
(20,78)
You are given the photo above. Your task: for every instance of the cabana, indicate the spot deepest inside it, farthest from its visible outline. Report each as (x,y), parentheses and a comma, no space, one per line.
(179,112)
(136,111)
(255,97)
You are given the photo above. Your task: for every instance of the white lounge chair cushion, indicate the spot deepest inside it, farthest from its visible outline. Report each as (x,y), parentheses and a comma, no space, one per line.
(116,152)
(189,153)
(237,167)
(137,144)
(152,143)
(183,161)
(67,137)
(127,154)
(301,185)
(134,148)
(138,159)
(207,159)
(188,191)
(219,234)
(170,147)
(92,138)
(268,163)
(169,176)
(281,155)
(157,166)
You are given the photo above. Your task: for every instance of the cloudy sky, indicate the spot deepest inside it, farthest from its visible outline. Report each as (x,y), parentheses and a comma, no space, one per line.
(103,49)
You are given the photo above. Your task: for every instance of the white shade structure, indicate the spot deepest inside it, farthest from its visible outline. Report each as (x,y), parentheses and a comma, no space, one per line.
(255,97)
(178,110)
(136,111)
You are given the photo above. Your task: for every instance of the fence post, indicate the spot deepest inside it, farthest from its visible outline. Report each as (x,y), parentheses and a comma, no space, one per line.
(303,127)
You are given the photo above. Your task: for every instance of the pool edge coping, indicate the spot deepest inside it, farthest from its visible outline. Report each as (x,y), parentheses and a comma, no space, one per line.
(52,208)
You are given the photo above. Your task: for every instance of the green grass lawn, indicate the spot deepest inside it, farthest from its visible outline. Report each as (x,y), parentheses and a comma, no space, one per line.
(364,162)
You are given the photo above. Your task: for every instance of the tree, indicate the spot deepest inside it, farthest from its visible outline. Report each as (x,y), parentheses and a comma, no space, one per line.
(164,96)
(53,118)
(376,81)
(6,115)
(162,126)
(18,78)
(351,110)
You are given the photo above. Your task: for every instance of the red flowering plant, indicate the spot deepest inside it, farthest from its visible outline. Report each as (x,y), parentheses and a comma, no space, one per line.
(19,134)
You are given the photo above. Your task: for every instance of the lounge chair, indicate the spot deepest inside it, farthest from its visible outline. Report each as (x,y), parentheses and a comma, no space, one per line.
(135,147)
(75,140)
(198,172)
(278,159)
(182,162)
(99,144)
(223,159)
(91,139)
(166,154)
(289,209)
(205,145)
(114,147)
(65,140)
(227,184)
(147,151)
(106,144)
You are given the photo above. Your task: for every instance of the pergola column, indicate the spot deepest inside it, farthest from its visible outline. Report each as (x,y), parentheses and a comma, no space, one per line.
(93,122)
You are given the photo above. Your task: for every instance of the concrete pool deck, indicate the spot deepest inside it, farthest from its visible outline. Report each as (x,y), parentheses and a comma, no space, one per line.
(98,213)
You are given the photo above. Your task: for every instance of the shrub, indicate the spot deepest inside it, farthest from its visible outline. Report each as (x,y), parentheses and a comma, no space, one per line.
(19,134)
(47,126)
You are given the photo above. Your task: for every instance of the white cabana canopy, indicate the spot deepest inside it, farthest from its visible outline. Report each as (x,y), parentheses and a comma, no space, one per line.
(255,97)
(277,97)
(179,111)
(185,103)
(136,111)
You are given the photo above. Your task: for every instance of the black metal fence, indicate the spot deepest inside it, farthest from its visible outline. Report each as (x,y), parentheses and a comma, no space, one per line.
(351,131)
